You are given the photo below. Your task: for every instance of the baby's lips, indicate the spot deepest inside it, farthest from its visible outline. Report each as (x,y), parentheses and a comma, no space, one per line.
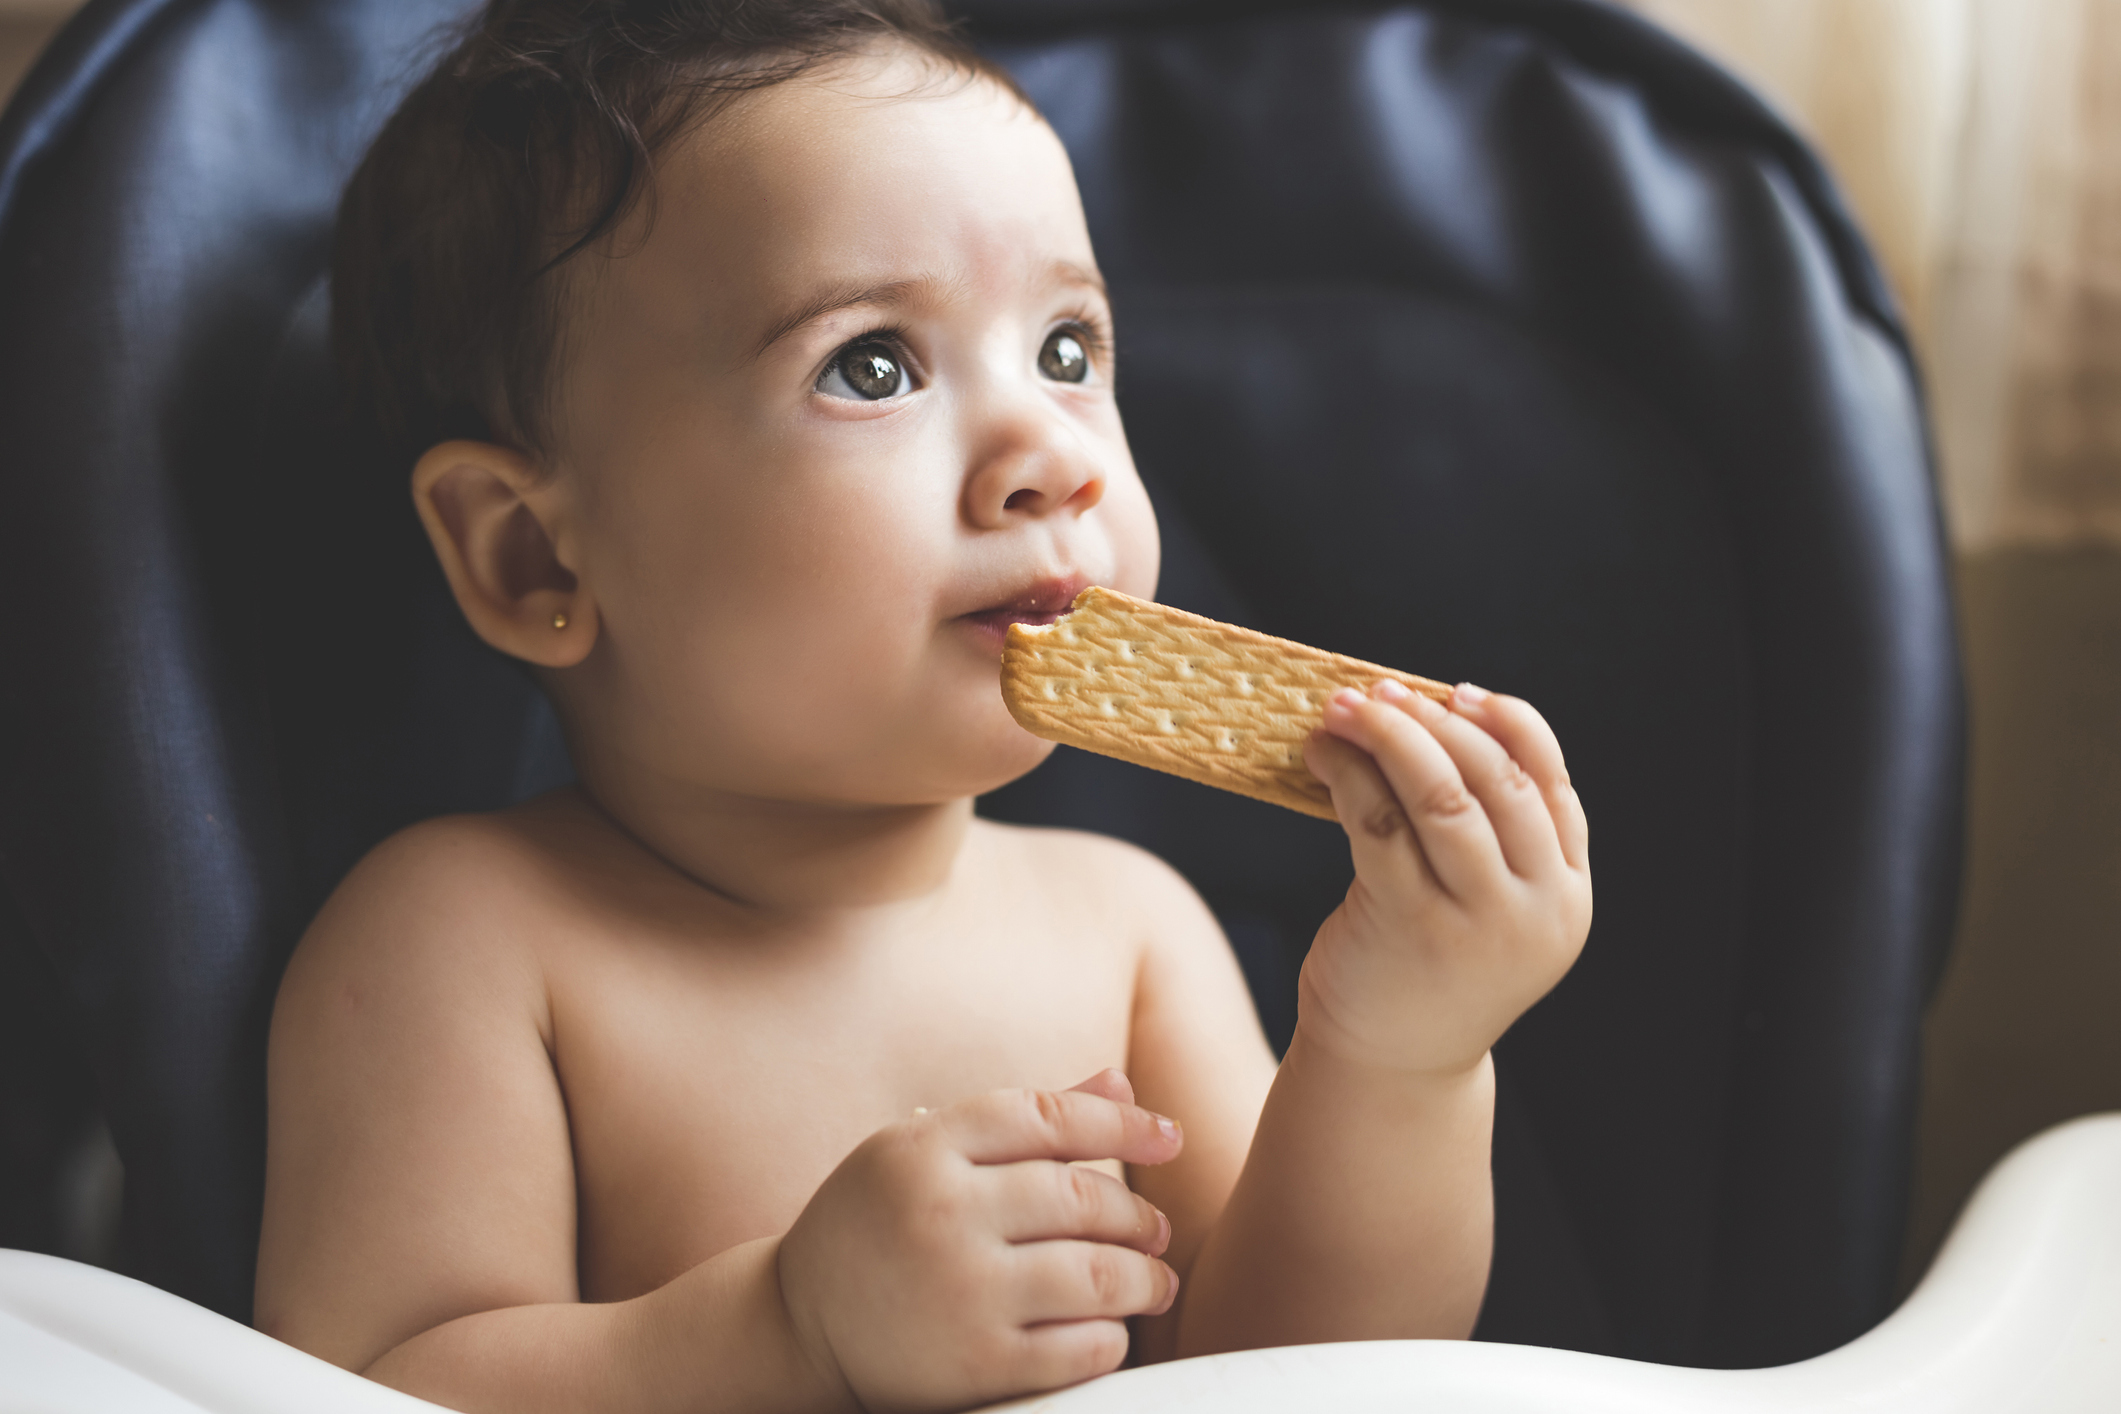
(1044,599)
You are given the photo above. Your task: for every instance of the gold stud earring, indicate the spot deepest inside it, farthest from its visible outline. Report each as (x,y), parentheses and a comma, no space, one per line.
(559,621)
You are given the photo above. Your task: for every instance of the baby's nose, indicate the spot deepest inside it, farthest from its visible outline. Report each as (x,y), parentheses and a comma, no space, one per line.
(1033,474)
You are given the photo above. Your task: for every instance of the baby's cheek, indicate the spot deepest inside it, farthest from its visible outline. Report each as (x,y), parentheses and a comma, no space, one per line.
(818,687)
(1129,522)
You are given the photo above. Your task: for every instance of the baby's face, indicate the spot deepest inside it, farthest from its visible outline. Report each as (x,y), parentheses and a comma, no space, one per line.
(841,416)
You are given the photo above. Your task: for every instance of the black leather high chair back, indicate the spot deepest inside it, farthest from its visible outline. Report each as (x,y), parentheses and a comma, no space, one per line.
(1504,340)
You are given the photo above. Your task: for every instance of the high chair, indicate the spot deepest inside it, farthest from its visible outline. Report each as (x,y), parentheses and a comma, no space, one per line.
(2021,1311)
(1502,340)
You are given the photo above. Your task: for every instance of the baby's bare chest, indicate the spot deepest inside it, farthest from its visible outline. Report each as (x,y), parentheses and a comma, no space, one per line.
(710,1091)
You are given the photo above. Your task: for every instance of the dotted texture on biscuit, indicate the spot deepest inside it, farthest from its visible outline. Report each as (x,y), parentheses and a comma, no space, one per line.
(1176,692)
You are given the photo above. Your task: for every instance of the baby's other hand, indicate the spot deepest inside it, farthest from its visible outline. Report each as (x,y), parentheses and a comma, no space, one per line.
(959,1257)
(1472,892)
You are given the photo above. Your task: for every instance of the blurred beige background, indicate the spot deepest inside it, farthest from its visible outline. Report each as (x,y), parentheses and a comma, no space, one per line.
(1980,143)
(24,27)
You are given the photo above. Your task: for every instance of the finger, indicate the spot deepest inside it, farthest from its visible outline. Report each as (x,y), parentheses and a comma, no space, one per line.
(1527,737)
(1447,818)
(1111,1084)
(1039,1200)
(1379,835)
(1074,1281)
(1006,1126)
(1061,1353)
(1515,807)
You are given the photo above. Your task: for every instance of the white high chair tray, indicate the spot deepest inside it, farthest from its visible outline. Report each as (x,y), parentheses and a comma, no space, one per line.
(2021,1312)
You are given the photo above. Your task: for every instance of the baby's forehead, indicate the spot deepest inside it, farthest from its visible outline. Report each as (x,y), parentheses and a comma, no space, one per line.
(857,109)
(888,172)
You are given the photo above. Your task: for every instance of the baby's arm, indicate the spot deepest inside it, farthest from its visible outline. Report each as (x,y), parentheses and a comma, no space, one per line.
(1196,1051)
(420,1205)
(1364,1210)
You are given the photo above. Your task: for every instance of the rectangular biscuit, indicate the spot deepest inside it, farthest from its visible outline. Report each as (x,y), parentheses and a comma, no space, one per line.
(1176,692)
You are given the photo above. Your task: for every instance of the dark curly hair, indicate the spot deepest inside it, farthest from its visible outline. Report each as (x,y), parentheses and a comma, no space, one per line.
(531,140)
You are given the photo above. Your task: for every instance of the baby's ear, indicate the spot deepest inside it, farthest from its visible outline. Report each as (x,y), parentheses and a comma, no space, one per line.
(499,528)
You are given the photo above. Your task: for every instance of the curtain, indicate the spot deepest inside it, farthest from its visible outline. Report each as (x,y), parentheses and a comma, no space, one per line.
(1979,142)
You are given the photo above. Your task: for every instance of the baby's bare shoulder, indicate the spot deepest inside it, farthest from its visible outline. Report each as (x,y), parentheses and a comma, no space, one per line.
(447,913)
(413,1112)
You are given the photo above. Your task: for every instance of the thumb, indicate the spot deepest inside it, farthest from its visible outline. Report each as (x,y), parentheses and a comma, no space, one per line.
(1109,1084)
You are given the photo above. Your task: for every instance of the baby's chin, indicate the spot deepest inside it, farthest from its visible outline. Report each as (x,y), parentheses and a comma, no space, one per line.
(1022,755)
(983,759)
(929,757)
(961,741)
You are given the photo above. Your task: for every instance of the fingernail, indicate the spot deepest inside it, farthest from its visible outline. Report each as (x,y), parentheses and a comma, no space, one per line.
(1163,1232)
(1470,695)
(1391,690)
(1167,1127)
(1348,699)
(1171,1291)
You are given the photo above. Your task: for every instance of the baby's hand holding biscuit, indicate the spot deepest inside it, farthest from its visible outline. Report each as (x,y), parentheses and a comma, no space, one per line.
(962,1256)
(1472,892)
(1364,1207)
(1472,889)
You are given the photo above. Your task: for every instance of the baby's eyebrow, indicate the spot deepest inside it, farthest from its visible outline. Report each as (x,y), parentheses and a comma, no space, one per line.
(1067,272)
(833,299)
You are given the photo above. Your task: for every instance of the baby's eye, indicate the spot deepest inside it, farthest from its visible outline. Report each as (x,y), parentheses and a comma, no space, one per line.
(1063,357)
(869,370)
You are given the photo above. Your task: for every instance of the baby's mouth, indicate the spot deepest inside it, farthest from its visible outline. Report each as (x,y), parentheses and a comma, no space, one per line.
(1041,603)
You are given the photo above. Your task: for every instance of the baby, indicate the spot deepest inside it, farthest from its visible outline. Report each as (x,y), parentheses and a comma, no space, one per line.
(758,374)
